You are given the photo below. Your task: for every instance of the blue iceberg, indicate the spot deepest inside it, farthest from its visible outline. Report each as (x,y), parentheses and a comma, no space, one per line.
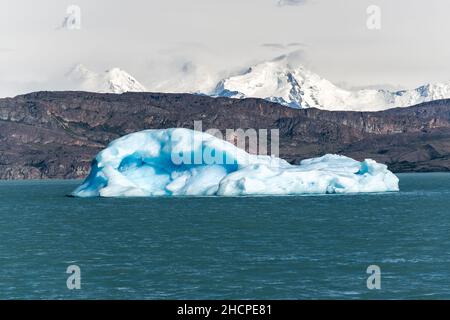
(183,162)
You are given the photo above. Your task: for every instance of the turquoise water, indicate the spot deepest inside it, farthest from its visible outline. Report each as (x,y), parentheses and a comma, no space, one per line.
(305,247)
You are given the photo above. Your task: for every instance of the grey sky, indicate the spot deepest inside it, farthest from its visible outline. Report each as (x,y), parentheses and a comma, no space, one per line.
(161,41)
(290,2)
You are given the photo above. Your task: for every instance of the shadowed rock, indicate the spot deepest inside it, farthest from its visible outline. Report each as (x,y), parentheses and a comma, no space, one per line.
(57,134)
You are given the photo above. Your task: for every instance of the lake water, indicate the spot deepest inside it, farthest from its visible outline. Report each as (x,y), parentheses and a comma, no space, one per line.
(297,247)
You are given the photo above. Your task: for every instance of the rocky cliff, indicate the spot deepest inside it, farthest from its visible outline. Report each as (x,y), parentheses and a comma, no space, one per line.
(57,134)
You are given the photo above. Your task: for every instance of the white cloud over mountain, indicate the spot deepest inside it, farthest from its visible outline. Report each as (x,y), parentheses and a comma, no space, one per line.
(153,41)
(113,80)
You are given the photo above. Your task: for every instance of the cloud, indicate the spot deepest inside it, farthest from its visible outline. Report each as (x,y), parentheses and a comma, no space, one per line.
(295,58)
(185,72)
(273,45)
(296,44)
(282,3)
(282,46)
(380,86)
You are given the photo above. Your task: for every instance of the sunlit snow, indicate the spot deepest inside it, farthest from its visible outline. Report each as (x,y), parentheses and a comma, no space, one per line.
(182,162)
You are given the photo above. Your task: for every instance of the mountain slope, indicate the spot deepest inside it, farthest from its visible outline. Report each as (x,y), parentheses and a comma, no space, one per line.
(57,134)
(297,87)
(113,80)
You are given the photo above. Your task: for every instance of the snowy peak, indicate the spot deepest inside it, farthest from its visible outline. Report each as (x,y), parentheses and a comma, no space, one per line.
(281,81)
(277,81)
(114,80)
(119,81)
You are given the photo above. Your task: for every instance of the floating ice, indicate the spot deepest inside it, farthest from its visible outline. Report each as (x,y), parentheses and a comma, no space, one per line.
(182,162)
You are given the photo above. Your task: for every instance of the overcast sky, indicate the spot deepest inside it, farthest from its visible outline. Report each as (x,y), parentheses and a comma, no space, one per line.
(161,41)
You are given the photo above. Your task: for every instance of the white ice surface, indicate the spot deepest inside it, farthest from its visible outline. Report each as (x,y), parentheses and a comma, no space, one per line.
(182,162)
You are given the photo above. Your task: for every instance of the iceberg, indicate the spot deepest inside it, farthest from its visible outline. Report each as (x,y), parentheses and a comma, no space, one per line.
(183,162)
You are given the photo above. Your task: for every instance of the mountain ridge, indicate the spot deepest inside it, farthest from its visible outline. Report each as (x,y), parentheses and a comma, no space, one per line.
(47,135)
(291,85)
(278,80)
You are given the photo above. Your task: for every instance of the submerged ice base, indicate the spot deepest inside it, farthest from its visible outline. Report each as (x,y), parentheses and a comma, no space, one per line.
(182,162)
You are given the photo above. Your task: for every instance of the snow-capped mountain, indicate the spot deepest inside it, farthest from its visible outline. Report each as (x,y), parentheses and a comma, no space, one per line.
(113,80)
(297,87)
(277,80)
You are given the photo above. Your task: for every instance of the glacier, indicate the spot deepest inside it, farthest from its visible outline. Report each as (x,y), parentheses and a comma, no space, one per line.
(183,162)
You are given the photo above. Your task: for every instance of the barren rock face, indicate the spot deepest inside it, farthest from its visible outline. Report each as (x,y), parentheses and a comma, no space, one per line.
(57,134)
